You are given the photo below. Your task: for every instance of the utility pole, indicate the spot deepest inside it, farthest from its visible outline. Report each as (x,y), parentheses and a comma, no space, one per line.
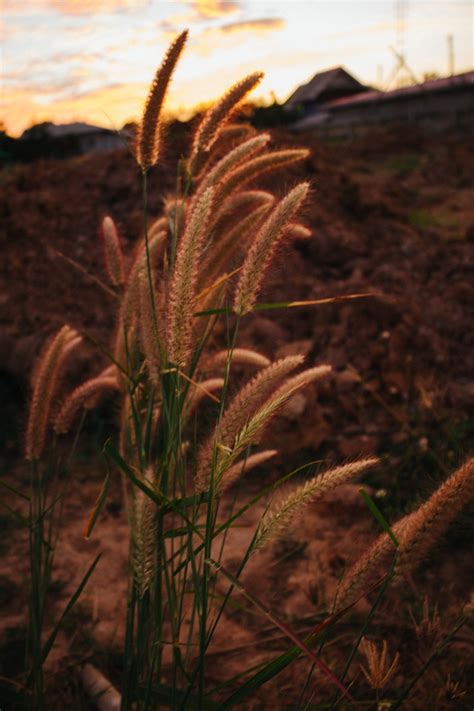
(450,40)
(400,12)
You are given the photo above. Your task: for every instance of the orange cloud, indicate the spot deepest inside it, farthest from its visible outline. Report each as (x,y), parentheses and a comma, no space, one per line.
(72,7)
(260,25)
(208,9)
(110,107)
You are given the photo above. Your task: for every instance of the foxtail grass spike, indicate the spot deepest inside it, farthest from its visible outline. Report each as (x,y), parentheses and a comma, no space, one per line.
(263,248)
(112,252)
(85,396)
(203,391)
(241,409)
(131,299)
(183,284)
(254,460)
(148,138)
(242,152)
(148,327)
(254,426)
(259,165)
(46,380)
(236,131)
(416,534)
(216,118)
(424,527)
(298,232)
(241,356)
(233,241)
(143,520)
(243,200)
(277,520)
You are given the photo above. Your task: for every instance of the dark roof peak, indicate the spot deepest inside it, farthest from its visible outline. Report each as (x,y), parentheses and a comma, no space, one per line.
(330,83)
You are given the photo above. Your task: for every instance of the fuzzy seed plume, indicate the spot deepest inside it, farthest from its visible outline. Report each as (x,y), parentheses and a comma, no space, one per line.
(237,130)
(183,283)
(254,426)
(297,232)
(112,252)
(202,391)
(379,669)
(125,348)
(249,170)
(263,248)
(230,242)
(244,199)
(277,520)
(45,383)
(82,397)
(159,225)
(143,520)
(416,534)
(425,526)
(131,299)
(243,151)
(219,114)
(254,460)
(242,356)
(240,410)
(148,137)
(148,326)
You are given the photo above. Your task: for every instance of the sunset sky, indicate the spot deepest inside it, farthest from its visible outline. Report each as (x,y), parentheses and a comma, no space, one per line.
(92,60)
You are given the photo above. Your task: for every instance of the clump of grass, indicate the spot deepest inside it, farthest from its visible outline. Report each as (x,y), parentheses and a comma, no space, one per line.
(206,257)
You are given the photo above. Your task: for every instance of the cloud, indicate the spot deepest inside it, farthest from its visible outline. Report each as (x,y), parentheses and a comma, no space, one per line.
(211,9)
(260,25)
(108,106)
(73,7)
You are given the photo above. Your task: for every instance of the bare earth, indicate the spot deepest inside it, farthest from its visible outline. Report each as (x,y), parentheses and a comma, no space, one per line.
(393,215)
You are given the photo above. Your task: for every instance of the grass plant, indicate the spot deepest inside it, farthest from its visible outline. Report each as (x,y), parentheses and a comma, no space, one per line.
(205,259)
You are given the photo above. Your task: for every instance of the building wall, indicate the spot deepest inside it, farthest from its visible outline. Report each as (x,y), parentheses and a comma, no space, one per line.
(433,111)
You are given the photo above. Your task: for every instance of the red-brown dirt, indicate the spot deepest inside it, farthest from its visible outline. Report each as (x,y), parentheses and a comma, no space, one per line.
(392,214)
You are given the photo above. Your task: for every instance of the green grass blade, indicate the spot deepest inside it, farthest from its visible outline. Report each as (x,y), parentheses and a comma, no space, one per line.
(13,490)
(377,514)
(98,506)
(50,641)
(290,304)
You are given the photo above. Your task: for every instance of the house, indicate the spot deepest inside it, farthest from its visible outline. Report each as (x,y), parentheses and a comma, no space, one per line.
(49,139)
(335,106)
(326,86)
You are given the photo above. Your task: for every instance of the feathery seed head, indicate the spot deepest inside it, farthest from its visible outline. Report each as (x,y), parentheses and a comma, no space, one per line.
(277,520)
(379,670)
(149,326)
(422,528)
(230,242)
(416,534)
(82,397)
(218,115)
(259,165)
(243,356)
(112,252)
(46,380)
(240,410)
(148,138)
(183,284)
(233,159)
(263,248)
(243,200)
(236,471)
(203,390)
(297,232)
(131,299)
